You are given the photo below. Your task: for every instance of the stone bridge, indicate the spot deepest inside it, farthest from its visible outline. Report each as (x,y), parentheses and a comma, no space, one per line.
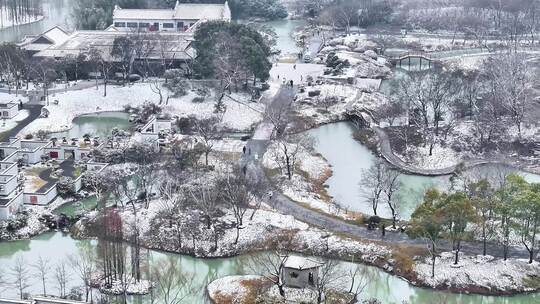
(407,56)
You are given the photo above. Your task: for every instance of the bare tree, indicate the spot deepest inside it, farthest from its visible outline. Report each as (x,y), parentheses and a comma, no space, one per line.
(429,97)
(102,65)
(209,131)
(62,278)
(206,198)
(21,275)
(288,149)
(372,183)
(511,82)
(329,277)
(391,186)
(270,265)
(235,191)
(84,265)
(43,268)
(172,285)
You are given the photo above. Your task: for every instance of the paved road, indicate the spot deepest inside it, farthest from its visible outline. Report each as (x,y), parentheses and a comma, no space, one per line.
(34,112)
(286,206)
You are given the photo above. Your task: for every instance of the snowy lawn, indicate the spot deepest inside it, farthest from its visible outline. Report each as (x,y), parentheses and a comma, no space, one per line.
(482,271)
(6,98)
(307,184)
(238,116)
(8,124)
(236,289)
(287,72)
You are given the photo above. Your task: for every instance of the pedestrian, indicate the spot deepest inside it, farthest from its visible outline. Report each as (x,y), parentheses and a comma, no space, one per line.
(244,169)
(292,83)
(294,66)
(244,150)
(383,229)
(278,76)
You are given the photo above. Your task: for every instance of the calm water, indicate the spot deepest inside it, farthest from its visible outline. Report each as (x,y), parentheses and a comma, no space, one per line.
(348,158)
(97,124)
(385,287)
(78,207)
(56,12)
(284,29)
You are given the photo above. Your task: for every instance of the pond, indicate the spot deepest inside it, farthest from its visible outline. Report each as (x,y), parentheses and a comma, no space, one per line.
(77,207)
(387,288)
(56,12)
(96,124)
(348,158)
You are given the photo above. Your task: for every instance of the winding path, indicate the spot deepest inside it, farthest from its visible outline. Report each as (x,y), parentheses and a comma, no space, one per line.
(34,112)
(257,148)
(389,156)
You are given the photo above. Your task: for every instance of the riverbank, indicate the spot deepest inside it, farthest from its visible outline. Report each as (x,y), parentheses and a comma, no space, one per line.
(32,20)
(268,230)
(258,289)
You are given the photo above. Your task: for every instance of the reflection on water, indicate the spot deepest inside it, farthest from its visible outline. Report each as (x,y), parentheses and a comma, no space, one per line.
(285,29)
(348,158)
(98,124)
(77,207)
(378,284)
(56,12)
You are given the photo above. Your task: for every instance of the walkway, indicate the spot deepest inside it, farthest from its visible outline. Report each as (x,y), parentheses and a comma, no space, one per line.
(285,205)
(34,112)
(389,156)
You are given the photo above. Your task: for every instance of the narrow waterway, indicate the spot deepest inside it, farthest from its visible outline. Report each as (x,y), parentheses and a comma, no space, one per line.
(335,142)
(349,158)
(389,289)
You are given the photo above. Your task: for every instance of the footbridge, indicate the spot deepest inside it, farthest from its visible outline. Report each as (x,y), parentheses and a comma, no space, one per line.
(423,57)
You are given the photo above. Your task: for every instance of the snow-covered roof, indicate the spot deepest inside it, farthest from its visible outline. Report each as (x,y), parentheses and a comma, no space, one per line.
(53,36)
(299,262)
(198,11)
(181,11)
(56,35)
(143,14)
(172,45)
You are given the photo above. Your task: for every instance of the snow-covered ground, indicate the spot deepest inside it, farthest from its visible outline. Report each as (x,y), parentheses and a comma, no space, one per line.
(478,271)
(8,124)
(235,289)
(238,116)
(441,157)
(6,98)
(241,289)
(298,73)
(307,184)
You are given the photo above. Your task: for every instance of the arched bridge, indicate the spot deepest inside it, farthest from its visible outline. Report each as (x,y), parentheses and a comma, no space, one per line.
(407,56)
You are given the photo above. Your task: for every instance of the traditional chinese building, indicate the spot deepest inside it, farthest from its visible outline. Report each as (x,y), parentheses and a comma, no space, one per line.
(182,18)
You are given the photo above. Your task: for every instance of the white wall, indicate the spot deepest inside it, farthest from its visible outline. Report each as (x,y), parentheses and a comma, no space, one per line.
(41,198)
(8,184)
(11,209)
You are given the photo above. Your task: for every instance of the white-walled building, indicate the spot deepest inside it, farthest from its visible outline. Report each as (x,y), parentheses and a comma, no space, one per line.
(13,194)
(8,110)
(183,17)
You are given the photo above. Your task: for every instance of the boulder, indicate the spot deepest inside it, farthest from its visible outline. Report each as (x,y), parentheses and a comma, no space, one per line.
(371,54)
